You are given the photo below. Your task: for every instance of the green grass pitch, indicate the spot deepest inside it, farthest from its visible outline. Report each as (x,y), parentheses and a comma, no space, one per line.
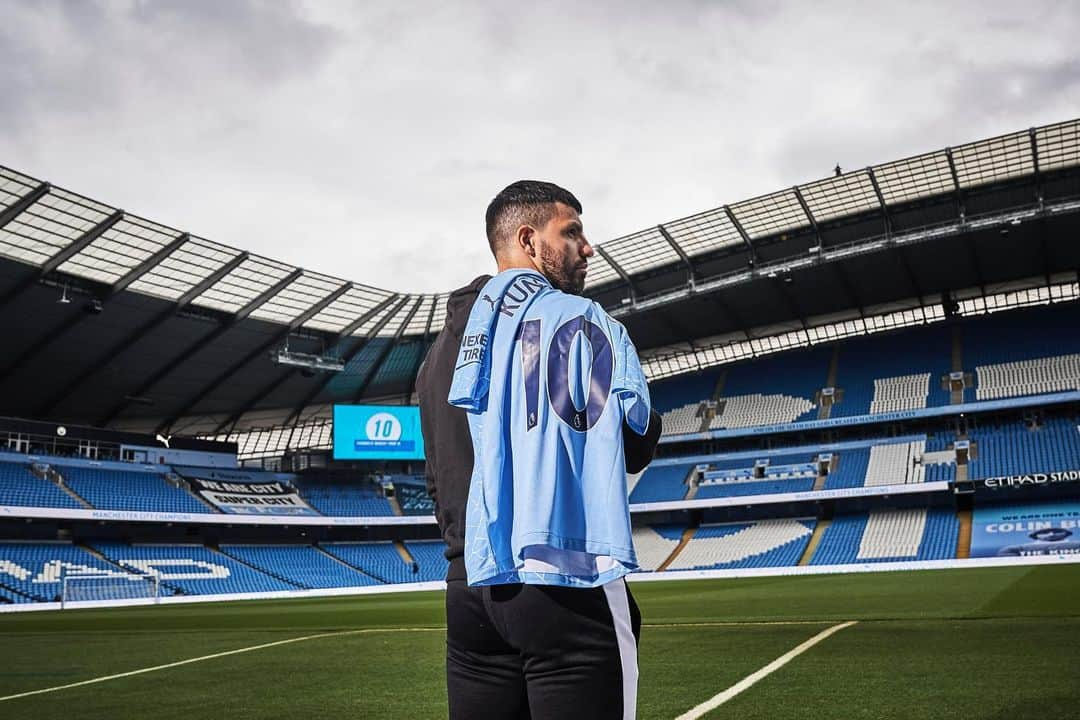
(972,643)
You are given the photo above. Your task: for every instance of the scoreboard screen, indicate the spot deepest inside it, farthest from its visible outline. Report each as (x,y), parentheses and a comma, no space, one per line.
(377,432)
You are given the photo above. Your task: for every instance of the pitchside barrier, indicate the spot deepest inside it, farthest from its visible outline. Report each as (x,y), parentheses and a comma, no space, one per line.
(360,521)
(634,577)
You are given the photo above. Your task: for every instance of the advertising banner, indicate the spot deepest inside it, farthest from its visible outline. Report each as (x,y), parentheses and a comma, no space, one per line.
(243,498)
(1029,479)
(1026,530)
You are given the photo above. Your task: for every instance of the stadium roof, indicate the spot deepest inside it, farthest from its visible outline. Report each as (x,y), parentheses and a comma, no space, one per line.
(113,319)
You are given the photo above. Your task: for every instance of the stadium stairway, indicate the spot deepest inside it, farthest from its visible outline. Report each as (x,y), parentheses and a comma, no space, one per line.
(262,571)
(815,540)
(341,562)
(687,536)
(963,538)
(52,476)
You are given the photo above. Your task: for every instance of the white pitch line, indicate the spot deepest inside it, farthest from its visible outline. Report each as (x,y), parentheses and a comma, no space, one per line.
(718,700)
(735,623)
(238,651)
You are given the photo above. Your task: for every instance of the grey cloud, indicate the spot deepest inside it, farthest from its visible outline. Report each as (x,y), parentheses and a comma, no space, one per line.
(365,140)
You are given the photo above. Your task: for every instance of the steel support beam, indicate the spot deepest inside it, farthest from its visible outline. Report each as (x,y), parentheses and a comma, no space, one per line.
(736,318)
(77,318)
(134,337)
(960,209)
(809,215)
(886,216)
(298,410)
(911,278)
(291,372)
(844,280)
(200,344)
(62,256)
(385,352)
(423,351)
(260,350)
(23,204)
(691,273)
(792,306)
(343,334)
(618,269)
(148,264)
(976,265)
(742,233)
(1035,163)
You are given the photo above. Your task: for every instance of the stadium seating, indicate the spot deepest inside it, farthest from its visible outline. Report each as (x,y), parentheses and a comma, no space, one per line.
(193,569)
(139,490)
(887,535)
(1013,449)
(676,392)
(34,570)
(301,565)
(795,472)
(742,411)
(18,486)
(653,545)
(850,471)
(378,559)
(765,543)
(430,556)
(1056,373)
(894,371)
(355,499)
(661,482)
(888,372)
(895,464)
(683,419)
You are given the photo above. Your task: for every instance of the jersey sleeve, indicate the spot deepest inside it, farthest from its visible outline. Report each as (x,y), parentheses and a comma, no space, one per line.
(628,381)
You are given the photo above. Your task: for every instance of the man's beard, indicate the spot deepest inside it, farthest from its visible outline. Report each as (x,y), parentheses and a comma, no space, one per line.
(558,273)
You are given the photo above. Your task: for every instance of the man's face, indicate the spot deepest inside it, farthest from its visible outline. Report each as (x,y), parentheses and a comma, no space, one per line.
(563,251)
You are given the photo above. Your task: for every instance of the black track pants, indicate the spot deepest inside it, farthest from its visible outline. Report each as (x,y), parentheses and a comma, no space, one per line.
(541,652)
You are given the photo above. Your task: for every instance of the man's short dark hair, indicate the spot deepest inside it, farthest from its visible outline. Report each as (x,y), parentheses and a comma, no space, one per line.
(526,202)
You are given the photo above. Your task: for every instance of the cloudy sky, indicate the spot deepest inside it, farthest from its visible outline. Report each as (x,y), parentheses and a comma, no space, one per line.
(364,140)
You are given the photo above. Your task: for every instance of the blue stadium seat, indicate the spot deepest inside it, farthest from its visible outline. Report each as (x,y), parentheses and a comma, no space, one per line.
(138,490)
(301,565)
(358,499)
(660,483)
(193,569)
(35,569)
(378,559)
(430,556)
(841,540)
(20,487)
(1012,449)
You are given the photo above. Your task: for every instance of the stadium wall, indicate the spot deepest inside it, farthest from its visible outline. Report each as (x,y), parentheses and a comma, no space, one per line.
(664,576)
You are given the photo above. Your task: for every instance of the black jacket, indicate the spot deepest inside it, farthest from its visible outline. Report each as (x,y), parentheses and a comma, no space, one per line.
(447,442)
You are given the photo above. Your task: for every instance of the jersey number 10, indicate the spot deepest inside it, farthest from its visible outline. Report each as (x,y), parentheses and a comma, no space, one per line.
(558,371)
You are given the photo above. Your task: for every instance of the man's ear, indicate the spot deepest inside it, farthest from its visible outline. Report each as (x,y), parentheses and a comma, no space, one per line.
(526,239)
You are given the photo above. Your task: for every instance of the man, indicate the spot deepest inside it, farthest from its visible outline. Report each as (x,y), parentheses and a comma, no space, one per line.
(533,409)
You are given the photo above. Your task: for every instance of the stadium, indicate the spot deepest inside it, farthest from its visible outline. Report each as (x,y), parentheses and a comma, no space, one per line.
(865,502)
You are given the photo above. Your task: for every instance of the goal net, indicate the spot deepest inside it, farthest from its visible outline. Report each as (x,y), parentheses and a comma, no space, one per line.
(108,586)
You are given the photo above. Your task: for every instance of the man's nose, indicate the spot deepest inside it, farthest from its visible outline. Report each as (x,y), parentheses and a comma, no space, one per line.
(587,250)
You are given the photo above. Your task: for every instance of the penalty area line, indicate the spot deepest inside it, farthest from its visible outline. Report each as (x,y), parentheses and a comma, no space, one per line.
(226,653)
(721,698)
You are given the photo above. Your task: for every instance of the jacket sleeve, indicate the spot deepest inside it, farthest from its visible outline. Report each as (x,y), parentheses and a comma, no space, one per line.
(639,449)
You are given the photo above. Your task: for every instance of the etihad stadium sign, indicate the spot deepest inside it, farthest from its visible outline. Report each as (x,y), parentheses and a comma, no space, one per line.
(1016,481)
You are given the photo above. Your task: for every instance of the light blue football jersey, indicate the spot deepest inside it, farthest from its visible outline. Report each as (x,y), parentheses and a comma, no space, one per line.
(547,379)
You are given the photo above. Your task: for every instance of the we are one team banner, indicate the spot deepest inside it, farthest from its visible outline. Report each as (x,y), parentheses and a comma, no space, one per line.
(1026,530)
(242,498)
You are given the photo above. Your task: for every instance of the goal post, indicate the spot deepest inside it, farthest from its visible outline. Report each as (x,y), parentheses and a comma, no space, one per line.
(80,587)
